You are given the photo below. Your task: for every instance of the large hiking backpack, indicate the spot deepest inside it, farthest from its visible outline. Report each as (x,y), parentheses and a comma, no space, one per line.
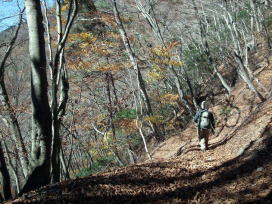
(204,119)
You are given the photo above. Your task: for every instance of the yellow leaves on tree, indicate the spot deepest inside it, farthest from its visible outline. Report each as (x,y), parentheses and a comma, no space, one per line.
(101,49)
(65,6)
(100,119)
(165,51)
(168,62)
(96,146)
(154,119)
(79,64)
(156,73)
(169,98)
(110,67)
(129,126)
(165,55)
(161,52)
(108,20)
(109,137)
(86,37)
(114,35)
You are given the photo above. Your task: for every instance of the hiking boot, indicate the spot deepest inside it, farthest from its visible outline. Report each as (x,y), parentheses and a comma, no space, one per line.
(204,149)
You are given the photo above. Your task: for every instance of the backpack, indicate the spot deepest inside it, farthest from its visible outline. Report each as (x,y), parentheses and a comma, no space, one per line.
(204,121)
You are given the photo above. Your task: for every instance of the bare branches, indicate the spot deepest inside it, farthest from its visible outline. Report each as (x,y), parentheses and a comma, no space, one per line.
(11,44)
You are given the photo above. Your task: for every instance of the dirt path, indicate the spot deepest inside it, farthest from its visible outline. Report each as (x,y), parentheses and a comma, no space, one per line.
(236,169)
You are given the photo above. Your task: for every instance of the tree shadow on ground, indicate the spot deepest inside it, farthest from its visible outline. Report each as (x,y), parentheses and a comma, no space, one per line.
(232,172)
(245,122)
(147,179)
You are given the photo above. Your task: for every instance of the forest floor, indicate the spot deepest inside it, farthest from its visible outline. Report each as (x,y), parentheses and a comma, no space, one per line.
(237,168)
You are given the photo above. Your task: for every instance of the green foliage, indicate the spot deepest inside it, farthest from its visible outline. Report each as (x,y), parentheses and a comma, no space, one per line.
(268,21)
(164,110)
(243,14)
(99,165)
(195,58)
(84,172)
(102,4)
(134,140)
(225,110)
(126,114)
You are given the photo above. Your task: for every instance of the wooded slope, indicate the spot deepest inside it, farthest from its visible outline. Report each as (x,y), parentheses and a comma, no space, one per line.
(236,169)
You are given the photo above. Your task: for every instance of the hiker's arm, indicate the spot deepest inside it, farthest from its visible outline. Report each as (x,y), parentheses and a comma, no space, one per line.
(212,122)
(196,117)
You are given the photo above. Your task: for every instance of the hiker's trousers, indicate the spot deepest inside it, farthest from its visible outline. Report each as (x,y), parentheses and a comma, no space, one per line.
(203,137)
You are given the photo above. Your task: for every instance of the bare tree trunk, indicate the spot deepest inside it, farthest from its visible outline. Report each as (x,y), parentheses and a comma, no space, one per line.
(111,112)
(149,15)
(141,83)
(12,168)
(132,155)
(64,165)
(238,54)
(113,150)
(206,47)
(116,102)
(144,140)
(10,118)
(255,16)
(243,73)
(5,177)
(59,81)
(39,174)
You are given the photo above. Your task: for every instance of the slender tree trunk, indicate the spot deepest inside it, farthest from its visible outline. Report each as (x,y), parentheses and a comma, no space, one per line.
(5,177)
(10,118)
(206,47)
(59,78)
(64,165)
(149,15)
(111,112)
(132,57)
(12,168)
(116,102)
(238,53)
(255,16)
(243,73)
(144,140)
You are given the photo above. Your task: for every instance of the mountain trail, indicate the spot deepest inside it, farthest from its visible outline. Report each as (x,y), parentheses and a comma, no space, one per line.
(237,168)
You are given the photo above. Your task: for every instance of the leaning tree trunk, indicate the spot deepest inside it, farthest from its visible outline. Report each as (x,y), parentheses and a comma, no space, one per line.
(141,83)
(10,118)
(203,35)
(149,15)
(238,54)
(41,115)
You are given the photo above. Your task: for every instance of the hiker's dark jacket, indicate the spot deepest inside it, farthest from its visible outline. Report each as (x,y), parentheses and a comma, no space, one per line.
(210,116)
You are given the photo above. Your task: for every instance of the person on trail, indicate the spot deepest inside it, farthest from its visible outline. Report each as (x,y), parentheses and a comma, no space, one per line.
(205,124)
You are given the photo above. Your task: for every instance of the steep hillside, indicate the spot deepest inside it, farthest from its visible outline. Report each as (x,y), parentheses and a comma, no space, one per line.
(236,169)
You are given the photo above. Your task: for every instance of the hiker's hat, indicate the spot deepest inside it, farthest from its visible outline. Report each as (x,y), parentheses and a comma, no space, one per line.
(204,105)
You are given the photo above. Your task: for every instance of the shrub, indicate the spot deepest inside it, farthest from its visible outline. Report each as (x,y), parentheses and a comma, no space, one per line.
(102,4)
(99,165)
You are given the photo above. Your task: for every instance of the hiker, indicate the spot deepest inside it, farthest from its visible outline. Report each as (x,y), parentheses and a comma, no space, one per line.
(205,124)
